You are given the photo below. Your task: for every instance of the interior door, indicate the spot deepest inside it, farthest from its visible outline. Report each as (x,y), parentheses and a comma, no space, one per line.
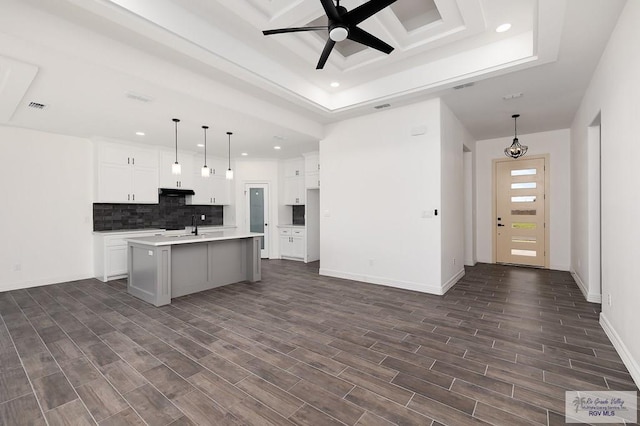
(257,202)
(520,212)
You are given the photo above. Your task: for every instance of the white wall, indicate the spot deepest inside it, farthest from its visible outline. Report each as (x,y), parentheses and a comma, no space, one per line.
(257,171)
(377,182)
(613,92)
(556,144)
(46,215)
(453,136)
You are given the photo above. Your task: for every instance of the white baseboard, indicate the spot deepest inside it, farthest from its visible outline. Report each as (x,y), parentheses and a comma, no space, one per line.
(406,285)
(452,281)
(631,364)
(47,281)
(593,298)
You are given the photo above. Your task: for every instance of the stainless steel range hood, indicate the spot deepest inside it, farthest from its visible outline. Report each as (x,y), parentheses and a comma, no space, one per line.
(173,192)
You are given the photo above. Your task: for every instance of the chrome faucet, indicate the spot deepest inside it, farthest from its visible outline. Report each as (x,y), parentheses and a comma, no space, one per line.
(194,225)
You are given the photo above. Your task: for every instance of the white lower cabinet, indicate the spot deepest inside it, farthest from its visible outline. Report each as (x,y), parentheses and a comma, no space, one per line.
(292,242)
(110,251)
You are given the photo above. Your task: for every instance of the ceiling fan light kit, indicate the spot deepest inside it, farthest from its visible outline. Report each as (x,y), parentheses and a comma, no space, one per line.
(342,25)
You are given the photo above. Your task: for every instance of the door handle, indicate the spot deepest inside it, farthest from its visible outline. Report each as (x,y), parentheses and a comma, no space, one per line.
(266,224)
(500,224)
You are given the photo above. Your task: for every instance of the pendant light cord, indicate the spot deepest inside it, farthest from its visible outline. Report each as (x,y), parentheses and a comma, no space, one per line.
(229,133)
(176,121)
(205,144)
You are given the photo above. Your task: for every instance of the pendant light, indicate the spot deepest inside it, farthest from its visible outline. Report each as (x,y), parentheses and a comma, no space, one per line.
(515,150)
(176,169)
(229,174)
(206,171)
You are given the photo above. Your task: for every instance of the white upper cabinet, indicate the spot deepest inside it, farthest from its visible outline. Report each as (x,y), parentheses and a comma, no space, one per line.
(312,170)
(126,174)
(294,185)
(294,167)
(182,181)
(212,190)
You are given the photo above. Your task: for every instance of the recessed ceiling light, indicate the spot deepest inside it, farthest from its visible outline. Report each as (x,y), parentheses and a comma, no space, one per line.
(140,133)
(276,147)
(244,154)
(335,84)
(200,145)
(503,28)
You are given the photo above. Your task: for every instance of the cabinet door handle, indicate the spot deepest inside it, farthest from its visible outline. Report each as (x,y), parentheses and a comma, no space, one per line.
(134,197)
(128,197)
(128,160)
(214,199)
(133,161)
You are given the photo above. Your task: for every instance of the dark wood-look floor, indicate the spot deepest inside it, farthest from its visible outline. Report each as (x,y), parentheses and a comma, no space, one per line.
(500,348)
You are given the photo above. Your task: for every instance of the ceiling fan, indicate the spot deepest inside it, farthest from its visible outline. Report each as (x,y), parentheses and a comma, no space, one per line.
(343,25)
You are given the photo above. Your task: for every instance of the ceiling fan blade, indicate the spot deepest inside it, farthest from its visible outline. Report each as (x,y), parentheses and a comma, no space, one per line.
(331,10)
(366,10)
(294,30)
(325,53)
(361,36)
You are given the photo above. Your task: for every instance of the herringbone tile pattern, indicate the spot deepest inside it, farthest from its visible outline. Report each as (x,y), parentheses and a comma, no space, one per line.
(500,348)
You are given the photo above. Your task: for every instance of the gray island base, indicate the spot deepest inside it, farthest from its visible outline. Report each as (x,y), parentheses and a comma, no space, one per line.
(163,267)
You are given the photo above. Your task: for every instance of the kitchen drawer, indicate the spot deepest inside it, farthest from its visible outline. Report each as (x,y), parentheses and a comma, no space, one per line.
(295,232)
(285,231)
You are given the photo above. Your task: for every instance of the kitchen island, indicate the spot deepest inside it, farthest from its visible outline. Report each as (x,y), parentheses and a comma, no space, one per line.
(162,267)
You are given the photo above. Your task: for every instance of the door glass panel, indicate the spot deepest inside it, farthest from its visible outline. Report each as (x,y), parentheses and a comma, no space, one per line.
(524,199)
(530,253)
(256,213)
(524,185)
(530,212)
(525,240)
(523,172)
(523,225)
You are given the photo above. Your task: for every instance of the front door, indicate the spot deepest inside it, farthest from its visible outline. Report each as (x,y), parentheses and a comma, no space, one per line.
(520,212)
(257,202)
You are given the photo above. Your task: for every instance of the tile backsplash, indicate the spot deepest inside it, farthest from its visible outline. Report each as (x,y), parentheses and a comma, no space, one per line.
(169,213)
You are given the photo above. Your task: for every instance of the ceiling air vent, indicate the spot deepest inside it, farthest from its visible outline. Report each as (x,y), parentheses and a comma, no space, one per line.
(382,106)
(462,86)
(138,97)
(37,105)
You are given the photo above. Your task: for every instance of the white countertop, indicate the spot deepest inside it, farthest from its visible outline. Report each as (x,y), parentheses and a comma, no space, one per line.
(203,237)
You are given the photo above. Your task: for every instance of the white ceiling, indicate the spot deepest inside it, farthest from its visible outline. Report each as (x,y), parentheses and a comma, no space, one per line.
(207,62)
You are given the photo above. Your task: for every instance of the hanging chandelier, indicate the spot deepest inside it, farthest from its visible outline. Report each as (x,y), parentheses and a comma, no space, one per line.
(515,150)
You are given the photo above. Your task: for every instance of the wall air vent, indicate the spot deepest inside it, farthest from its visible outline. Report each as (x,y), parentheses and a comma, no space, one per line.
(462,86)
(37,105)
(139,97)
(382,106)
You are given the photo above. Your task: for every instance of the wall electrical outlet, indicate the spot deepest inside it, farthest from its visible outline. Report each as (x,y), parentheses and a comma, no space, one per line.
(202,217)
(609,299)
(454,260)
(371,262)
